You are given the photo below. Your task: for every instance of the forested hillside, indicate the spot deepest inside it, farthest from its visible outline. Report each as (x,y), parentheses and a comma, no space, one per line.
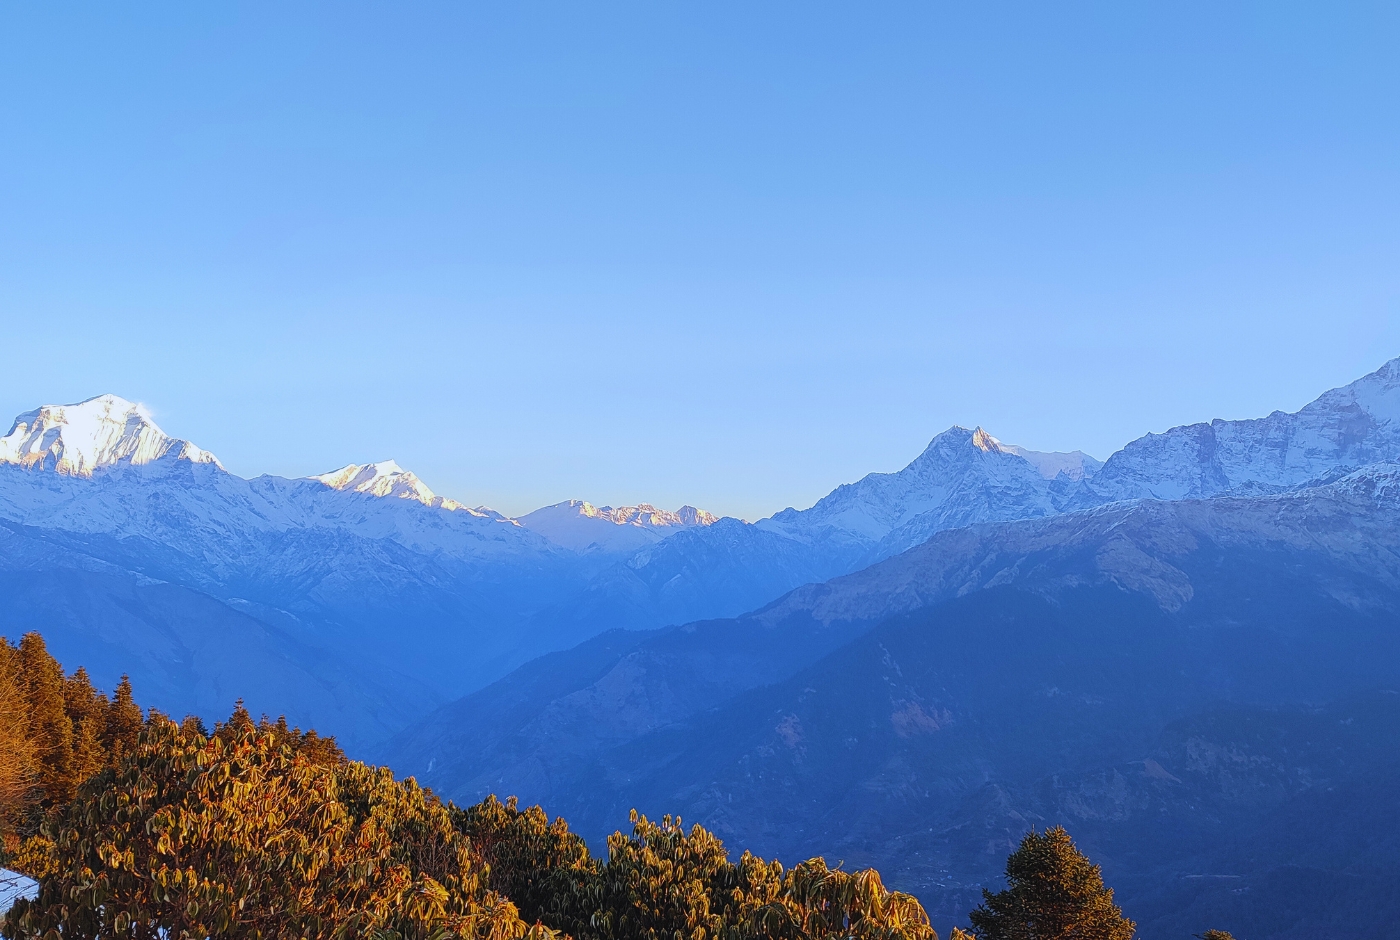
(1178,683)
(144,827)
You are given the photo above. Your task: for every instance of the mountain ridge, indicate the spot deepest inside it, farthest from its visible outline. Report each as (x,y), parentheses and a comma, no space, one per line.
(369,554)
(923,712)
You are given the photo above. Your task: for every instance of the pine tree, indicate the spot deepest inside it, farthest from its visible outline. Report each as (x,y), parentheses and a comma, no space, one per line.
(18,771)
(1053,893)
(193,725)
(50,728)
(123,725)
(87,710)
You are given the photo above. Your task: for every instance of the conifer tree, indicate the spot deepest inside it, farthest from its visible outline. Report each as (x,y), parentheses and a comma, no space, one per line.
(87,710)
(194,725)
(50,728)
(1053,893)
(55,732)
(18,774)
(123,725)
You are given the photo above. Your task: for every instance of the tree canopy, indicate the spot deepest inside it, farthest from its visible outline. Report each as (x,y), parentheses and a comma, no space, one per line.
(239,835)
(141,827)
(1053,893)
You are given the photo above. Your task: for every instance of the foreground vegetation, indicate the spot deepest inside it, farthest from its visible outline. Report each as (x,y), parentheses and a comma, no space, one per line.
(142,827)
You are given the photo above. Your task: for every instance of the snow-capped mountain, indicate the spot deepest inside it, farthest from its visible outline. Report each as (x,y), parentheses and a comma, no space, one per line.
(583,527)
(386,478)
(1344,429)
(1073,465)
(966,477)
(101,432)
(365,566)
(363,578)
(1121,670)
(962,477)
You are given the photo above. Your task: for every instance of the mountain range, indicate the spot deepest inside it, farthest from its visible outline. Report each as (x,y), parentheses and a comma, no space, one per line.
(1178,652)
(359,599)
(1174,655)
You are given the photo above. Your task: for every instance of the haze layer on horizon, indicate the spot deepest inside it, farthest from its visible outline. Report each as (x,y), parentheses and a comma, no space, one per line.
(725,256)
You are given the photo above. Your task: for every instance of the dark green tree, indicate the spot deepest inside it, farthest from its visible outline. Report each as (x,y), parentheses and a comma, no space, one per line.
(1053,893)
(124,723)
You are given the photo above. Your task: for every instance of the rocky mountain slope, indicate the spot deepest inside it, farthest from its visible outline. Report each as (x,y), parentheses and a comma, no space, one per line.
(366,565)
(582,527)
(922,713)
(1343,430)
(967,476)
(371,588)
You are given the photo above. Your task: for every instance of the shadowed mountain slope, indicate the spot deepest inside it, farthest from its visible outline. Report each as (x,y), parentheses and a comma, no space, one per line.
(923,713)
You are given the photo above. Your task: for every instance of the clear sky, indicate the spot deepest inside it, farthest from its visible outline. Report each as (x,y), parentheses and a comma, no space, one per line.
(724,254)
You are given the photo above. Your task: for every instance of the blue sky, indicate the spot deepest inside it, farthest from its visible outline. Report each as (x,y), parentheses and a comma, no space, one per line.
(725,254)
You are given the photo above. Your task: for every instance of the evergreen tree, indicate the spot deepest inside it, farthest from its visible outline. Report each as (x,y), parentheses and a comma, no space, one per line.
(662,882)
(18,766)
(55,732)
(818,903)
(50,728)
(259,829)
(123,725)
(1053,893)
(194,725)
(87,710)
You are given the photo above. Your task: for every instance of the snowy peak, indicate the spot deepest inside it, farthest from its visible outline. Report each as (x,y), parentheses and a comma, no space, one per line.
(645,514)
(384,479)
(959,446)
(984,441)
(689,515)
(1075,464)
(105,431)
(1342,430)
(963,476)
(1373,399)
(579,525)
